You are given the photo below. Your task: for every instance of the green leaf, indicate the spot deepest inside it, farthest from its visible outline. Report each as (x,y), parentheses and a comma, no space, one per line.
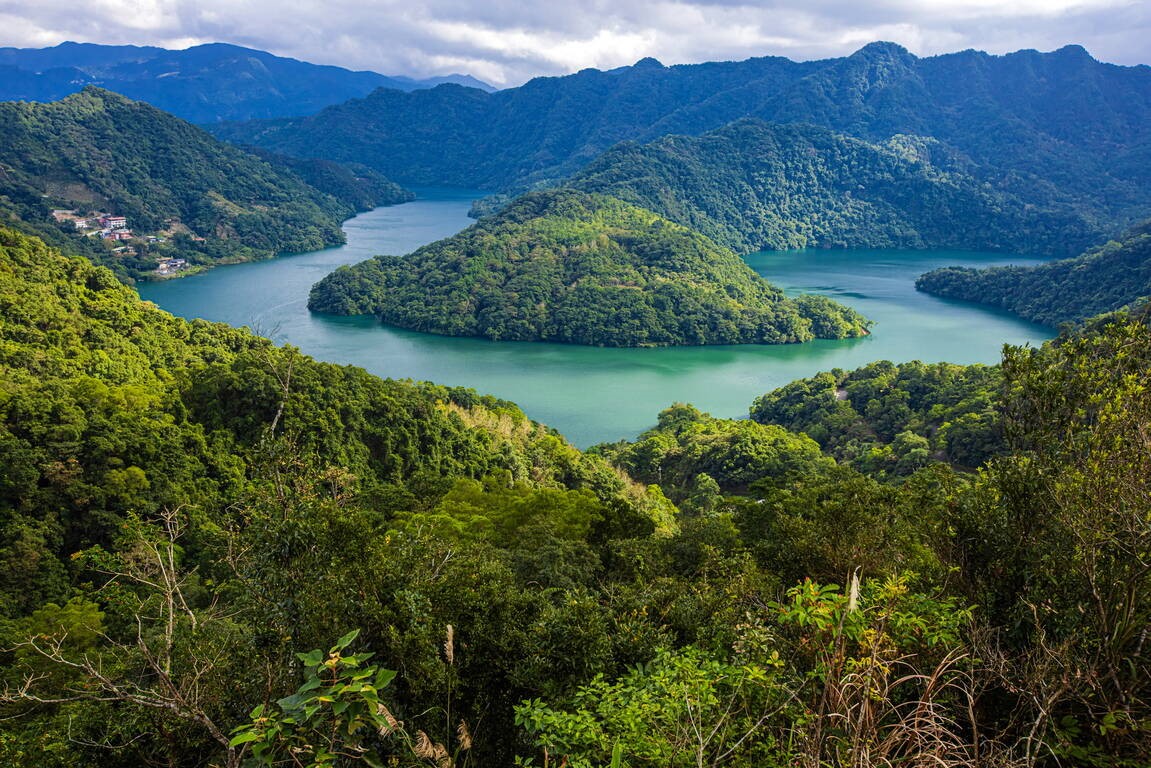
(345,641)
(244,738)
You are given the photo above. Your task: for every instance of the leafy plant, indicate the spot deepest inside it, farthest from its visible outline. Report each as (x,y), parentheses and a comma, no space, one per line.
(335,717)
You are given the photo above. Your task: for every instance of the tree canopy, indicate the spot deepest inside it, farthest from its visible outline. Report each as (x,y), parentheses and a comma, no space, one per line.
(573,267)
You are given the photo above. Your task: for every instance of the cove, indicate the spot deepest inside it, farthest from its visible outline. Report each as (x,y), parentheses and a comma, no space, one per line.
(590,394)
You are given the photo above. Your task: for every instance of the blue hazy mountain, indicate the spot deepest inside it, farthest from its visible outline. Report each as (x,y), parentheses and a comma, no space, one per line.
(203,84)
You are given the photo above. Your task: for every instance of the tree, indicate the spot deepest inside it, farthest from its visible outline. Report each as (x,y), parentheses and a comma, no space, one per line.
(161,653)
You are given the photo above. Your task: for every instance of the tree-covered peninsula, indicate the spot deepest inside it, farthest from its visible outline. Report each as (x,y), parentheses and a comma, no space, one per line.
(1106,278)
(171,191)
(568,266)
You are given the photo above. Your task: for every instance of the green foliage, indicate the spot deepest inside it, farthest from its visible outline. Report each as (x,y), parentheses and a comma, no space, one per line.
(756,186)
(572,267)
(1104,279)
(331,719)
(886,673)
(825,524)
(833,697)
(98,151)
(490,511)
(684,708)
(888,419)
(687,445)
(1054,540)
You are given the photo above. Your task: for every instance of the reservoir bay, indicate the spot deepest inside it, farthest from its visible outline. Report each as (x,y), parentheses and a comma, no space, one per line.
(593,394)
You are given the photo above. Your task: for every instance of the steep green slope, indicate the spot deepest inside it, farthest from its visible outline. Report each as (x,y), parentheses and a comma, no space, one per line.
(98,151)
(573,267)
(889,419)
(186,512)
(112,406)
(1104,279)
(352,183)
(760,186)
(281,475)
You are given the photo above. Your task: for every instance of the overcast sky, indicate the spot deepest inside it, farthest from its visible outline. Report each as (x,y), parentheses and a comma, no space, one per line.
(506,42)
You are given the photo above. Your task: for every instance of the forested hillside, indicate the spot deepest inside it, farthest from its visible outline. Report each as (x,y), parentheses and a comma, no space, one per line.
(215,550)
(573,267)
(1108,277)
(208,202)
(759,186)
(1059,131)
(889,419)
(116,416)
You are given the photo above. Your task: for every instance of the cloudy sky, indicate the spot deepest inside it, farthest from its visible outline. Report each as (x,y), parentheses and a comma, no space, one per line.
(508,41)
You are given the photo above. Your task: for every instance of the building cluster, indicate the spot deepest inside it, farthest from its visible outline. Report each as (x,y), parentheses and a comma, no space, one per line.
(115,228)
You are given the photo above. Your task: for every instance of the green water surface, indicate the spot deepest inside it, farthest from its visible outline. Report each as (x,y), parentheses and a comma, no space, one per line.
(590,394)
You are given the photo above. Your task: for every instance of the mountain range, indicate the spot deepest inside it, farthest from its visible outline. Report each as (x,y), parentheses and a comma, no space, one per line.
(202,84)
(1055,129)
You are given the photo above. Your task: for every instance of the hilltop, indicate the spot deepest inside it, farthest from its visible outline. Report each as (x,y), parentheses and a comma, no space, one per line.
(758,186)
(580,268)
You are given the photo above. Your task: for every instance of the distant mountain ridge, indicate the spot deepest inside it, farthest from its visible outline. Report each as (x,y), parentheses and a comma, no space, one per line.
(1057,130)
(203,84)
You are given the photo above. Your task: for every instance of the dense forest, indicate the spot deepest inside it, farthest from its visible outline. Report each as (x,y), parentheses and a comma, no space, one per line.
(220,552)
(1111,276)
(1058,131)
(211,202)
(756,186)
(581,268)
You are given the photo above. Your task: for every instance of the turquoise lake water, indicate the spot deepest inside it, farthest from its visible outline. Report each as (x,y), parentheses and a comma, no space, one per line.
(590,394)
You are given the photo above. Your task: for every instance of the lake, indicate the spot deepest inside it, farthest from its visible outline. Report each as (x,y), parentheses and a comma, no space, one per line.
(591,394)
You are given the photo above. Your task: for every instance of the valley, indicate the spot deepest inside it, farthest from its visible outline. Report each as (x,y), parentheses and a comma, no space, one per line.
(592,480)
(589,394)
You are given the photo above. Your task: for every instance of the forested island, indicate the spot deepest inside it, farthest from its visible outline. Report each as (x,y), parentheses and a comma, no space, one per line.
(573,267)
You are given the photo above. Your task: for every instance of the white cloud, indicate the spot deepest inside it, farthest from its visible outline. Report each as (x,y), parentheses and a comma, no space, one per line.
(508,41)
